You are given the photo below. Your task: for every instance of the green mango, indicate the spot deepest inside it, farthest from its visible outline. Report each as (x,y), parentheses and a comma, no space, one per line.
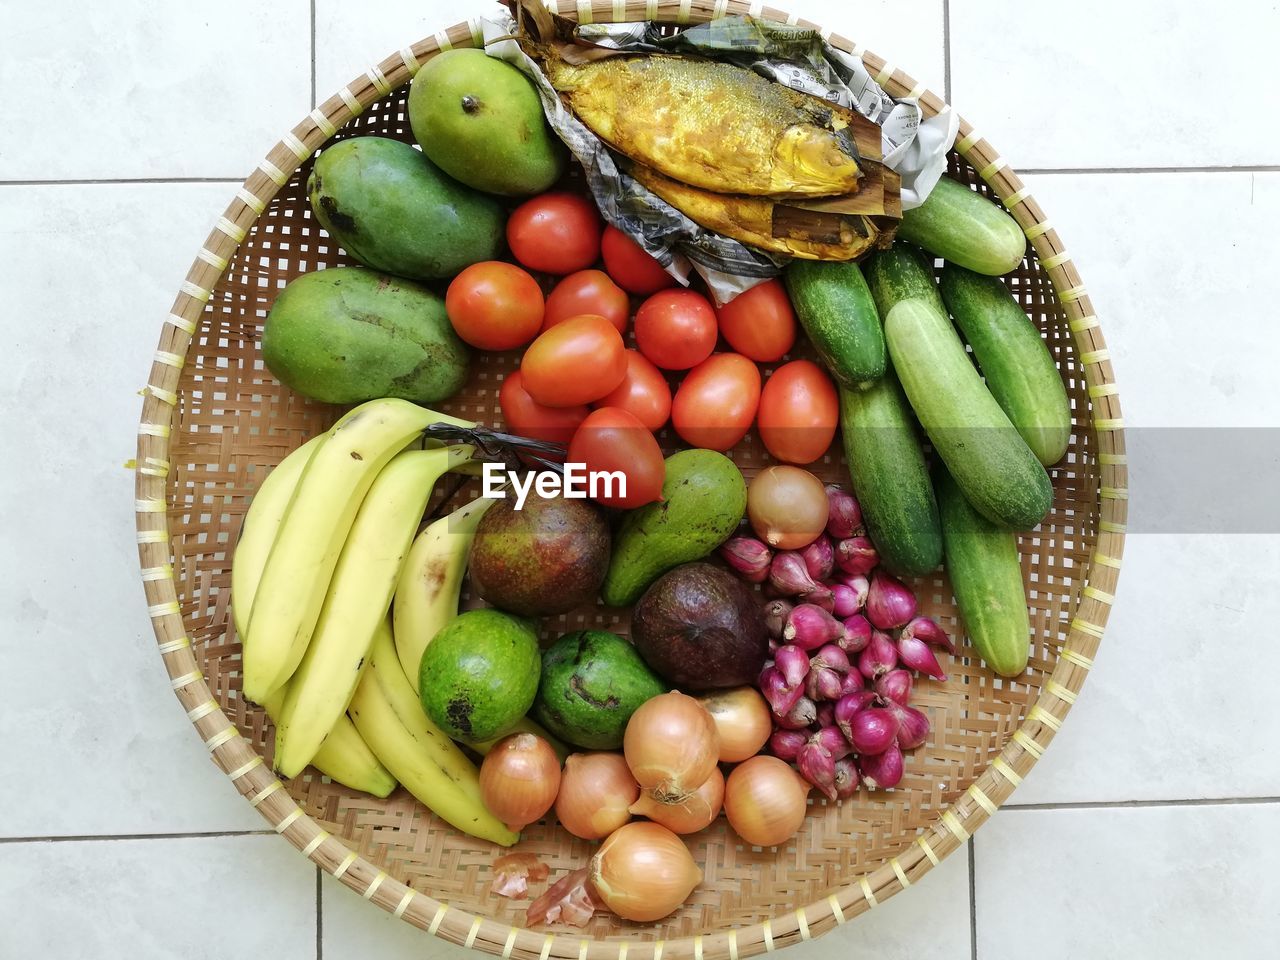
(703,500)
(347,334)
(480,120)
(393,210)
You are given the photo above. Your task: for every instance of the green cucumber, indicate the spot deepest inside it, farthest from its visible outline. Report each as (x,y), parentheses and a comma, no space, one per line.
(986,577)
(1015,361)
(966,228)
(991,463)
(890,479)
(835,308)
(900,273)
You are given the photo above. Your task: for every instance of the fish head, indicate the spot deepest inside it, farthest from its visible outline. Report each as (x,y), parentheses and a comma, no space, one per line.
(807,158)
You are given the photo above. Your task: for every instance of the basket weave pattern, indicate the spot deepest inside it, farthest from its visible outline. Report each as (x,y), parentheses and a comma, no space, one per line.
(215,421)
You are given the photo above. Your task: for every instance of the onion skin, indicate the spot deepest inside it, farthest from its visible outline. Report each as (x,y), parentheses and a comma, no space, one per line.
(749,558)
(856,556)
(844,514)
(819,559)
(694,813)
(890,602)
(775,616)
(882,771)
(596,792)
(896,686)
(519,779)
(857,634)
(928,630)
(671,745)
(787,507)
(765,801)
(743,722)
(872,731)
(786,744)
(643,872)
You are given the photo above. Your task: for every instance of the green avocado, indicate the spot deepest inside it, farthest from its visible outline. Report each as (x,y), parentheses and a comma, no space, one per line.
(347,334)
(592,681)
(480,120)
(392,209)
(703,500)
(478,676)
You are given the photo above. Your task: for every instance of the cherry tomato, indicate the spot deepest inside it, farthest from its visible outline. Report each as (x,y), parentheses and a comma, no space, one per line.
(526,417)
(716,404)
(760,323)
(588,291)
(631,266)
(613,441)
(555,233)
(574,362)
(494,305)
(676,329)
(643,393)
(799,412)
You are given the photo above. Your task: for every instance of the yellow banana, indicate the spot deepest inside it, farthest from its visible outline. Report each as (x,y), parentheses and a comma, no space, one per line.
(430,766)
(261,523)
(357,600)
(430,581)
(315,527)
(343,756)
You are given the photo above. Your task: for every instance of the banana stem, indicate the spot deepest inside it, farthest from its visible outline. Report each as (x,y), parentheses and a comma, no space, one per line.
(502,447)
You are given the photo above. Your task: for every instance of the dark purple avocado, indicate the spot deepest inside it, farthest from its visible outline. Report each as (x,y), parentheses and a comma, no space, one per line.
(701,628)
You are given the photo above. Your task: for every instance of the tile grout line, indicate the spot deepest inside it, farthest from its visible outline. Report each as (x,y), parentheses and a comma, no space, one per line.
(313,54)
(319,918)
(194,835)
(973,903)
(117,181)
(1228,168)
(1143,804)
(1023,807)
(1039,171)
(946,50)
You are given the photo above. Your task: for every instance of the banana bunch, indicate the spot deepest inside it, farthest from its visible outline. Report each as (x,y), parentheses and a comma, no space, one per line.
(315,528)
(326,543)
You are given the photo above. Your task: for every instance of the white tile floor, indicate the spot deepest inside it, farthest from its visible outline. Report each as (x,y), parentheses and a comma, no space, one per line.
(1151,832)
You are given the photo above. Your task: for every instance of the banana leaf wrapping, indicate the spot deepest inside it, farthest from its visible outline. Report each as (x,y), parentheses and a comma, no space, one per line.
(912,147)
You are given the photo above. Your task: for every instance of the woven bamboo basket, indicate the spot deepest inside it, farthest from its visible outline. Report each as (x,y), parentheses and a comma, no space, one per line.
(215,422)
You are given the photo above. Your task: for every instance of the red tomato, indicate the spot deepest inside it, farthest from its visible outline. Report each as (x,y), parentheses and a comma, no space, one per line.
(631,266)
(588,291)
(555,233)
(614,441)
(760,323)
(494,305)
(526,417)
(574,362)
(643,393)
(716,404)
(799,412)
(676,329)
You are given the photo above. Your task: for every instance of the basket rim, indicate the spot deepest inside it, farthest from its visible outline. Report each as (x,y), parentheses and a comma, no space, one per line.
(236,757)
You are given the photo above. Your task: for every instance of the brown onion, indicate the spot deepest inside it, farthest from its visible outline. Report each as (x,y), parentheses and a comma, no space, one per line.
(765,800)
(690,815)
(596,792)
(519,779)
(644,872)
(742,720)
(671,746)
(787,507)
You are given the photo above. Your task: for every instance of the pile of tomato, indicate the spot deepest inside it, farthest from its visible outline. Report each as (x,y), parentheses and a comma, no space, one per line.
(578,382)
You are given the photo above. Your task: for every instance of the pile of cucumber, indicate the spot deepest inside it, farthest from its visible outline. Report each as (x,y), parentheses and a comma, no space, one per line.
(885,330)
